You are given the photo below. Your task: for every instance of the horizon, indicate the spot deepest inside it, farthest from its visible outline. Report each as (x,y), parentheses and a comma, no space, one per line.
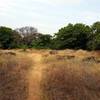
(48,16)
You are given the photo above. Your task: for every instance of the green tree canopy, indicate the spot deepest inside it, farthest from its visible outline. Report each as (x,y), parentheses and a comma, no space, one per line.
(94,40)
(72,36)
(43,41)
(8,38)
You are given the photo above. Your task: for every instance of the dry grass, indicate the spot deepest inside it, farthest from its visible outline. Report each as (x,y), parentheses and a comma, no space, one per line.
(55,75)
(71,79)
(13,76)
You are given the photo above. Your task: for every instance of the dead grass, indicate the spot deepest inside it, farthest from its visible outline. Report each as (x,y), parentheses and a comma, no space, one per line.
(55,75)
(70,79)
(13,76)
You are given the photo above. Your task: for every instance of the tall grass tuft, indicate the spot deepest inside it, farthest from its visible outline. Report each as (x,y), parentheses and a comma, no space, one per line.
(13,77)
(71,81)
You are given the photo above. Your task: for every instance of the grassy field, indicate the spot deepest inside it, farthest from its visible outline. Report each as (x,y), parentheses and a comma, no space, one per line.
(13,76)
(49,75)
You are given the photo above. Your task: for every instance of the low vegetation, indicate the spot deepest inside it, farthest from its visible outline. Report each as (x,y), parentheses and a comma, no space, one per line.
(68,77)
(14,69)
(49,75)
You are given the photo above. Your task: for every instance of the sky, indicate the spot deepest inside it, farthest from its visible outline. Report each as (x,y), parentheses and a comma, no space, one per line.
(48,15)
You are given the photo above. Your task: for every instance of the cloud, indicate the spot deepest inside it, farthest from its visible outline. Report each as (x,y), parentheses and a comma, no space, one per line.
(60,2)
(87,17)
(90,17)
(5,3)
(47,15)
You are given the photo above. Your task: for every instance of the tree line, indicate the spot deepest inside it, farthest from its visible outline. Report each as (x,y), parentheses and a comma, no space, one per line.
(73,36)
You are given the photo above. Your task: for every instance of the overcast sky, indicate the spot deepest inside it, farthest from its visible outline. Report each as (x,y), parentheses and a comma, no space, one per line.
(48,15)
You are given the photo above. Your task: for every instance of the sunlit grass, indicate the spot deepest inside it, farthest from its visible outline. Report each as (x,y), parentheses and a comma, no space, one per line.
(13,76)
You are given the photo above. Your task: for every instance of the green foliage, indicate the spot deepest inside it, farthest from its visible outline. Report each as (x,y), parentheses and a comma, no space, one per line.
(5,37)
(43,41)
(17,40)
(24,47)
(73,36)
(64,38)
(9,38)
(96,27)
(94,42)
(94,39)
(81,33)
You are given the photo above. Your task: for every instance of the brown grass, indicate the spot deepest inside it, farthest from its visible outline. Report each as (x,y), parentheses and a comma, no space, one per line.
(55,75)
(70,79)
(13,80)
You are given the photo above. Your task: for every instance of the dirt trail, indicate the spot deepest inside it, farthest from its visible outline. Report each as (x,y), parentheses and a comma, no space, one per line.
(35,77)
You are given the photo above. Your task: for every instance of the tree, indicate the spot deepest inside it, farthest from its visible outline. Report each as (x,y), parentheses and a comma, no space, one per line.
(26,31)
(81,33)
(94,43)
(9,38)
(43,41)
(72,36)
(96,27)
(28,40)
(28,34)
(63,39)
(17,40)
(94,39)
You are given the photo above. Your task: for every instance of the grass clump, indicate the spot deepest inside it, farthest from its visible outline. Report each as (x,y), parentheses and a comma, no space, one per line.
(68,80)
(13,77)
